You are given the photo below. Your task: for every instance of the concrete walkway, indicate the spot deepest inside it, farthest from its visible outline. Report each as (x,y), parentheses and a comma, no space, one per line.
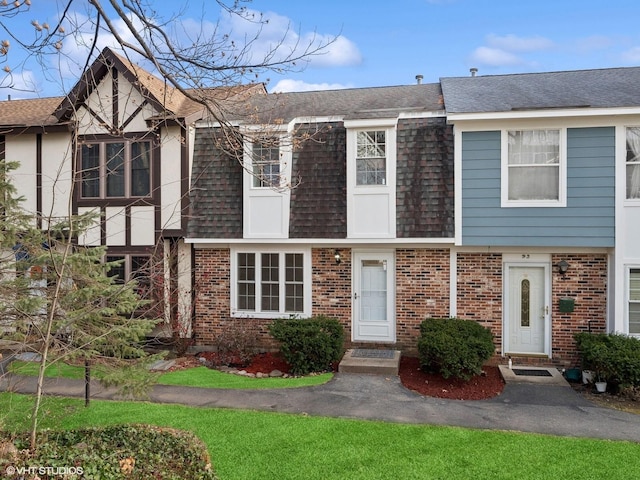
(525,407)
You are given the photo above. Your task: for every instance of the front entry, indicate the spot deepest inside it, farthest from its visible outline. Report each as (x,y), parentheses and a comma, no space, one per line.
(526,309)
(374,297)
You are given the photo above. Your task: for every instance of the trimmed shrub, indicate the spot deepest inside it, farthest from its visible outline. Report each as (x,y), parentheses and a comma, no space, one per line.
(614,357)
(116,452)
(454,347)
(309,345)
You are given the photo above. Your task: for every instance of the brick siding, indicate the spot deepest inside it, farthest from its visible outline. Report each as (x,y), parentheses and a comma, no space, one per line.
(586,283)
(422,291)
(479,294)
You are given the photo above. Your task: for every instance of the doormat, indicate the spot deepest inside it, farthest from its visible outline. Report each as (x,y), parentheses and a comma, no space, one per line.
(532,373)
(370,353)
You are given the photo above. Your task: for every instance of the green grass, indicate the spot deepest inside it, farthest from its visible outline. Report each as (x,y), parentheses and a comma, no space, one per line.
(210,378)
(58,369)
(191,377)
(254,445)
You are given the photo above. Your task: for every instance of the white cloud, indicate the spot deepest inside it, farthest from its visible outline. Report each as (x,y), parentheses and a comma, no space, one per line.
(632,55)
(513,43)
(272,37)
(494,57)
(341,52)
(287,85)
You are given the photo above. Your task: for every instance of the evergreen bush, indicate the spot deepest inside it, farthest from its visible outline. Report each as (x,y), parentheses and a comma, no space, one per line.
(454,347)
(614,357)
(309,345)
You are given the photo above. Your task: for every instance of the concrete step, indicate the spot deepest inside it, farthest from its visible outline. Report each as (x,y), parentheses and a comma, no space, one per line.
(377,362)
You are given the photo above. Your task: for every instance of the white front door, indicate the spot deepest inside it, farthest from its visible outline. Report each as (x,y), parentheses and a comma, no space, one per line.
(526,309)
(374,297)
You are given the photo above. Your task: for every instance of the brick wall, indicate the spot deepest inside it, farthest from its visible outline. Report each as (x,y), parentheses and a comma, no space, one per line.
(212,286)
(422,291)
(480,298)
(331,285)
(480,291)
(586,283)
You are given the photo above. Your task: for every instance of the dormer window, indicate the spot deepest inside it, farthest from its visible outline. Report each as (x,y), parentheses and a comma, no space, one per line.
(371,157)
(266,162)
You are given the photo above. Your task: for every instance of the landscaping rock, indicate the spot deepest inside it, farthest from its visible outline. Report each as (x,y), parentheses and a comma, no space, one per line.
(275,374)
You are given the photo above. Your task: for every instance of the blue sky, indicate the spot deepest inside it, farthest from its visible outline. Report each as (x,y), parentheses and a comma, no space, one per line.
(389,43)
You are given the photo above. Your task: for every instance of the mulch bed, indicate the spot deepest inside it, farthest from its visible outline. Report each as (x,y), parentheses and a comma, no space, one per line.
(412,377)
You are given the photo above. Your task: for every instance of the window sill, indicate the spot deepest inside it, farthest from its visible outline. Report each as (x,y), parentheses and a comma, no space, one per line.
(268,315)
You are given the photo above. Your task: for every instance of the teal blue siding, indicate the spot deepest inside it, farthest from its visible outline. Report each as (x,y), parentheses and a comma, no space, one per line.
(586,221)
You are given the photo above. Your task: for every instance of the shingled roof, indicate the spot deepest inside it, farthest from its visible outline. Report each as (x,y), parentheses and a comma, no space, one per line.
(27,113)
(167,99)
(603,88)
(348,104)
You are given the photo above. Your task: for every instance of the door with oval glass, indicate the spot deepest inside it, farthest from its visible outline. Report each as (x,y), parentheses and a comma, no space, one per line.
(373,297)
(527,309)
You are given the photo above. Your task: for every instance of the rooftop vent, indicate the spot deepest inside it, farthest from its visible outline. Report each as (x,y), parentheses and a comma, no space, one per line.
(473,71)
(419,79)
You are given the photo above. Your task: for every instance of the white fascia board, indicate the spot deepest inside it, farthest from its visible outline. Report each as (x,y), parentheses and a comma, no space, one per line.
(395,242)
(543,113)
(325,119)
(422,114)
(371,122)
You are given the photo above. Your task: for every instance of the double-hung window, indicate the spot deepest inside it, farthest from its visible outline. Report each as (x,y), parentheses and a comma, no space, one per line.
(633,163)
(371,157)
(266,162)
(270,283)
(634,301)
(119,169)
(132,267)
(533,172)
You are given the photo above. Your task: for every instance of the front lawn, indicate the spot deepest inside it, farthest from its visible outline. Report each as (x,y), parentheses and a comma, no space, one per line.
(191,377)
(257,445)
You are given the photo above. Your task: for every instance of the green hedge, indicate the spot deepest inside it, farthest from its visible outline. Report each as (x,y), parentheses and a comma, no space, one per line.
(309,345)
(116,452)
(454,347)
(614,357)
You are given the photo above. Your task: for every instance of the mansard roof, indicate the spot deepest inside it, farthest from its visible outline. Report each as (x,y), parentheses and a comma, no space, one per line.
(601,88)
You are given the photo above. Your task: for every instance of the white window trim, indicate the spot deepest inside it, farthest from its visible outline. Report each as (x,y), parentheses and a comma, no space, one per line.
(627,298)
(252,194)
(389,126)
(634,202)
(286,157)
(236,313)
(504,173)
